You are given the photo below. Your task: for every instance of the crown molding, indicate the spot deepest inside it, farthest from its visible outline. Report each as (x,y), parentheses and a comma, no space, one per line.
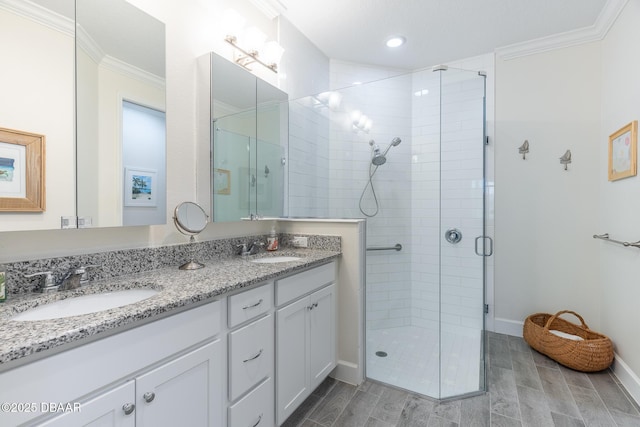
(595,32)
(39,14)
(126,69)
(87,44)
(271,8)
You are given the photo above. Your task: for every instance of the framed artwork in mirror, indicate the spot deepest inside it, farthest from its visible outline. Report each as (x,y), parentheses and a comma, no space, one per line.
(22,171)
(140,187)
(623,152)
(222,181)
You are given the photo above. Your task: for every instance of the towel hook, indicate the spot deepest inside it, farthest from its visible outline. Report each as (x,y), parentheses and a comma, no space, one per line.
(524,149)
(566,159)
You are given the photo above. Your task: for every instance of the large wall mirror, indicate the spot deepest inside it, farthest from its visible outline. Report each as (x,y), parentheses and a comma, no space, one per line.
(36,83)
(114,174)
(247,123)
(121,136)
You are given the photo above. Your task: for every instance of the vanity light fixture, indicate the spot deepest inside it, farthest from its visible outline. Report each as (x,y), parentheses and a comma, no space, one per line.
(396,41)
(254,49)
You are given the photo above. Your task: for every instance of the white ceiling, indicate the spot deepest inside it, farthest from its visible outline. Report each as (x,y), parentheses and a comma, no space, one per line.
(437,31)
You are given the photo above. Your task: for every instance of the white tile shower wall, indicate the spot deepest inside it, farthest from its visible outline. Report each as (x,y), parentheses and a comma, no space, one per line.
(387,104)
(425,170)
(308,159)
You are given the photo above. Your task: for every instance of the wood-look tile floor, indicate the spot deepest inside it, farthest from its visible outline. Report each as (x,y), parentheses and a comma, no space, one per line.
(525,388)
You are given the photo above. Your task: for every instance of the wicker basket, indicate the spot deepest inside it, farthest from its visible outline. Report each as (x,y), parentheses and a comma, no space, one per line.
(593,353)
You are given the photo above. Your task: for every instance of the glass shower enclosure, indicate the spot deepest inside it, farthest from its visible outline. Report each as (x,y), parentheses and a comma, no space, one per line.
(407,153)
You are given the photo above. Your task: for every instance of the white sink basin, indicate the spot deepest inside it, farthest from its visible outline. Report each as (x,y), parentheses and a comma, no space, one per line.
(274,259)
(85,304)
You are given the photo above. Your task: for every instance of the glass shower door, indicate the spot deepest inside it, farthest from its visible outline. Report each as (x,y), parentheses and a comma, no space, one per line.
(462,189)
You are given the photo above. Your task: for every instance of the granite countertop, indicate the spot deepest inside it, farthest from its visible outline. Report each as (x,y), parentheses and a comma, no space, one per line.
(178,289)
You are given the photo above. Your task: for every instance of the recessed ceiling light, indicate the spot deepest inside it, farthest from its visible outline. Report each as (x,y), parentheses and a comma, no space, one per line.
(396,41)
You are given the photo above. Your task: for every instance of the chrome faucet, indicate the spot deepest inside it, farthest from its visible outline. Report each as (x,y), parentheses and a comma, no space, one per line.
(71,280)
(247,249)
(75,278)
(48,285)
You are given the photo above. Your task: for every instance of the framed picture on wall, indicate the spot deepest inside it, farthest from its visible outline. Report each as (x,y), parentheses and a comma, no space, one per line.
(22,164)
(623,152)
(140,187)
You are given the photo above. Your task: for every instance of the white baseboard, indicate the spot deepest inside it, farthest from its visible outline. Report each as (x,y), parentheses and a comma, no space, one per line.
(627,377)
(508,327)
(348,372)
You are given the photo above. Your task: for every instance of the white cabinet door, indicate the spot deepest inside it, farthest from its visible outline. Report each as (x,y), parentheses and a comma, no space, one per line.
(322,335)
(306,348)
(184,392)
(292,358)
(115,408)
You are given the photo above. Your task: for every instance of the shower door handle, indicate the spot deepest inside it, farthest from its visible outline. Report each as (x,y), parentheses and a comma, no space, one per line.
(490,246)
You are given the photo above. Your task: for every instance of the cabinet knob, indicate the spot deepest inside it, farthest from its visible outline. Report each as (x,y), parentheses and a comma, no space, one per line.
(128,408)
(149,396)
(312,306)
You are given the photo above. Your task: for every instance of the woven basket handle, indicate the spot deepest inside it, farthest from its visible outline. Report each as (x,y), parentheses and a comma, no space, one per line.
(552,318)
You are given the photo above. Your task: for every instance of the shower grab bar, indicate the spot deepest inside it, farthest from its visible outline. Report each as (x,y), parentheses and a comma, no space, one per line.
(397,247)
(606,237)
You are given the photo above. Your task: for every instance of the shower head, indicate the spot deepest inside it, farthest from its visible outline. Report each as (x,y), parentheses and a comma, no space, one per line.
(379,158)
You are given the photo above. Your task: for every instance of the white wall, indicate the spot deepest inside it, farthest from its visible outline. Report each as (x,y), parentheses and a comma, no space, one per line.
(617,203)
(545,258)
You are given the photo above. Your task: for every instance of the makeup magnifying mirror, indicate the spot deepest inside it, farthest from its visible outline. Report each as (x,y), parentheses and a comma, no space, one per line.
(190,219)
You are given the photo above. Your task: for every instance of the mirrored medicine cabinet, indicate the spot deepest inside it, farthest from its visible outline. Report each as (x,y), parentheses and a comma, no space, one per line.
(106,166)
(244,123)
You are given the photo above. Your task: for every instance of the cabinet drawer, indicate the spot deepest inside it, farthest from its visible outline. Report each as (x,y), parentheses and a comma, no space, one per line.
(255,409)
(249,304)
(250,356)
(295,286)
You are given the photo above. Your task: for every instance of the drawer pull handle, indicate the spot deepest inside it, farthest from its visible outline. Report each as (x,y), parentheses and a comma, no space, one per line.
(149,396)
(259,419)
(312,306)
(128,408)
(253,305)
(254,357)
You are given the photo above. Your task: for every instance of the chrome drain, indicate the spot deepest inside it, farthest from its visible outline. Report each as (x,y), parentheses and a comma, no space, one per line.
(381,353)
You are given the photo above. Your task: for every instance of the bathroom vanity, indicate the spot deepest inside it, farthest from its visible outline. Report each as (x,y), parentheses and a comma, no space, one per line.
(237,343)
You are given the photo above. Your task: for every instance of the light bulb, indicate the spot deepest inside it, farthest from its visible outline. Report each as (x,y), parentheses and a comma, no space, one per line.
(253,39)
(232,22)
(272,52)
